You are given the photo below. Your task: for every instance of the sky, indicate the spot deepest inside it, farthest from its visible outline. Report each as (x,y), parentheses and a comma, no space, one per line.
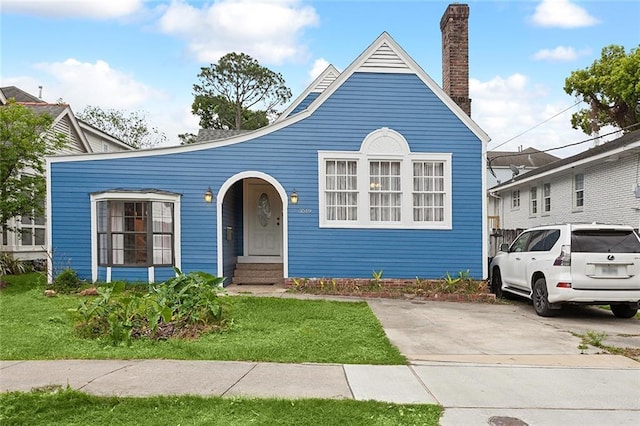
(144,56)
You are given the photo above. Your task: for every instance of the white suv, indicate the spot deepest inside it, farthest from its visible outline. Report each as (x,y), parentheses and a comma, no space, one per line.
(571,263)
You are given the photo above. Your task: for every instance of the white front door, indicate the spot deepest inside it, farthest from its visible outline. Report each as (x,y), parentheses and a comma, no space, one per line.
(264,220)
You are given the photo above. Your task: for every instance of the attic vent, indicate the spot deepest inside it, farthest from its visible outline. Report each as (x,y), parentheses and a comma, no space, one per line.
(383,57)
(326,82)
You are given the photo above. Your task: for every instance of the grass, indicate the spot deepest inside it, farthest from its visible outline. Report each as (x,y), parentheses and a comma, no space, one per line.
(33,326)
(68,407)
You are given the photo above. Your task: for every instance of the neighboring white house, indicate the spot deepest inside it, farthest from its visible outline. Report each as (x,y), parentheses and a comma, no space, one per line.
(30,243)
(502,166)
(601,185)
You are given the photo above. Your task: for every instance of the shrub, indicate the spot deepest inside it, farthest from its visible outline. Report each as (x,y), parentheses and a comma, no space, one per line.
(11,266)
(184,306)
(67,281)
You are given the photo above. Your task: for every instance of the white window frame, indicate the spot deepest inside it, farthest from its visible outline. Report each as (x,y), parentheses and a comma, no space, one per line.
(576,190)
(515,199)
(384,145)
(534,204)
(545,197)
(142,196)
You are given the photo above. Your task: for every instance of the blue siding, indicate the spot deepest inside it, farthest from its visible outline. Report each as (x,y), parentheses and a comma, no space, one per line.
(364,103)
(305,103)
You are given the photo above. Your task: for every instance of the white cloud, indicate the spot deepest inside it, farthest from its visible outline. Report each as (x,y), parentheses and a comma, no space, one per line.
(268,30)
(82,83)
(563,14)
(560,53)
(319,65)
(97,9)
(507,107)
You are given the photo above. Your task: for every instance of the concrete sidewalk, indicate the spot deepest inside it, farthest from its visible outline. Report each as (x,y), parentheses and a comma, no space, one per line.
(472,393)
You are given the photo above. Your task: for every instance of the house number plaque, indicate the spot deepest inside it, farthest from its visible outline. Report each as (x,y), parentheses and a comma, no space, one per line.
(304,211)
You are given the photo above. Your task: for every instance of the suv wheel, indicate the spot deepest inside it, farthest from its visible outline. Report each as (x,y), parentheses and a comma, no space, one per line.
(623,311)
(496,283)
(540,299)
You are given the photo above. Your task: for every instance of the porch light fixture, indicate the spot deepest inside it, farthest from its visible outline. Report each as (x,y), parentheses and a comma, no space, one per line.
(208,195)
(294,197)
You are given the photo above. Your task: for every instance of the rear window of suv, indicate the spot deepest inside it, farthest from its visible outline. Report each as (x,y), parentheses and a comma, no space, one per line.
(604,241)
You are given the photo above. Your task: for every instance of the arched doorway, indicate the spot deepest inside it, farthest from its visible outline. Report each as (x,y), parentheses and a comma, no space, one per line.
(252,225)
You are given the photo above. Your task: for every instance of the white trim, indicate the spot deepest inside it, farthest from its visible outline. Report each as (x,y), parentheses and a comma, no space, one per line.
(76,127)
(385,144)
(575,164)
(146,196)
(285,216)
(312,88)
(485,224)
(49,223)
(279,124)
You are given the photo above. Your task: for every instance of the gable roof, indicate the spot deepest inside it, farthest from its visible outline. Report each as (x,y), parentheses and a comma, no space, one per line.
(384,55)
(529,157)
(19,95)
(628,143)
(318,85)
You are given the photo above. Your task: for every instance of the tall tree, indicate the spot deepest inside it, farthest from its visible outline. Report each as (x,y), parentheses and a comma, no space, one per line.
(611,88)
(218,113)
(187,138)
(130,127)
(26,137)
(227,92)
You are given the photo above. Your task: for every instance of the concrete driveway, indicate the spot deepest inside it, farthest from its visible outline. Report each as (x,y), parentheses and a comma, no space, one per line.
(446,331)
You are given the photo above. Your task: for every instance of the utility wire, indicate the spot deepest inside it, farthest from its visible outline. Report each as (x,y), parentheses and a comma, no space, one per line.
(568,145)
(537,125)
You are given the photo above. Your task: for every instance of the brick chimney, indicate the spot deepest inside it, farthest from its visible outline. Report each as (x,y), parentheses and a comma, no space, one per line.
(455,54)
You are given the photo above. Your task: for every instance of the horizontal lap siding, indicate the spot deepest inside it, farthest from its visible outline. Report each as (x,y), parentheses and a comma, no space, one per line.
(364,103)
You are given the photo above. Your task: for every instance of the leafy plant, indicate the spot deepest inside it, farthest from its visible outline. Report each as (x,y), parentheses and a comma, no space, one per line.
(377,278)
(177,304)
(10,265)
(67,281)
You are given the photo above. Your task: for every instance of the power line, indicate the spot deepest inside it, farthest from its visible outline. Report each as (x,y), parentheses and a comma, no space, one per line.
(537,125)
(567,145)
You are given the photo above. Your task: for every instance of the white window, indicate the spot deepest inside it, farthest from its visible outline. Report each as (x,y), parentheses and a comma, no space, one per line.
(384,185)
(546,194)
(341,190)
(428,191)
(515,199)
(385,191)
(578,191)
(533,201)
(135,229)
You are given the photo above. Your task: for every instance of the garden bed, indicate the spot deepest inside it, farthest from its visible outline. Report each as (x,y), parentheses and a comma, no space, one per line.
(450,289)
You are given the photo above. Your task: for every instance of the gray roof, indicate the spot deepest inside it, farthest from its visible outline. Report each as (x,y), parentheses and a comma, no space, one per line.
(530,158)
(19,95)
(213,134)
(53,110)
(626,139)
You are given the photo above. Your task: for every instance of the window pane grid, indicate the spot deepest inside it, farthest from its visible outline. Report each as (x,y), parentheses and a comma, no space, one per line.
(135,233)
(385,196)
(428,191)
(341,190)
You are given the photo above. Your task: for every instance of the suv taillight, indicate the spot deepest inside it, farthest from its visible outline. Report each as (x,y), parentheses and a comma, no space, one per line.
(564,259)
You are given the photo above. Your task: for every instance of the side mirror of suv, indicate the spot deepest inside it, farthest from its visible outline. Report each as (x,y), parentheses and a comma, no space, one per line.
(504,247)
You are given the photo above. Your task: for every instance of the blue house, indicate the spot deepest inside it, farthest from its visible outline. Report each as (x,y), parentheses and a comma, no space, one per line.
(375,168)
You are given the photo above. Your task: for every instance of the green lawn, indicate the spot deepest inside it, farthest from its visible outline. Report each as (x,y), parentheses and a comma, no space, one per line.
(68,407)
(33,326)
